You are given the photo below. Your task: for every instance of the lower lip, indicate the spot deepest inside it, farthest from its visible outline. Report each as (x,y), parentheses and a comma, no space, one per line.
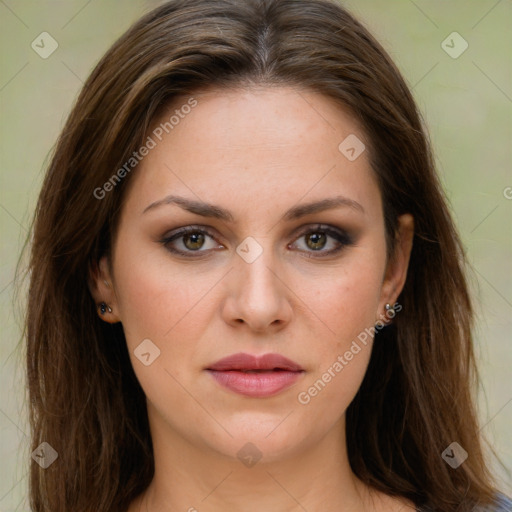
(258,385)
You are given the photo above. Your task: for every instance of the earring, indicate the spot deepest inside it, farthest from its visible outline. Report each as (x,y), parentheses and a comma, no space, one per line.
(390,311)
(103,307)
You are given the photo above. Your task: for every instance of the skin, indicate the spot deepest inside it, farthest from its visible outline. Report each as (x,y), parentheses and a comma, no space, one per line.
(257,153)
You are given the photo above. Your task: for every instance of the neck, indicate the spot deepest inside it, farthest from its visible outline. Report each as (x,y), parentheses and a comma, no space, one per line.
(193,478)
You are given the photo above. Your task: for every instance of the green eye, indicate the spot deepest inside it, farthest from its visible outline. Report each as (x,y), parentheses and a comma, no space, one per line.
(319,238)
(316,241)
(190,240)
(194,241)
(319,241)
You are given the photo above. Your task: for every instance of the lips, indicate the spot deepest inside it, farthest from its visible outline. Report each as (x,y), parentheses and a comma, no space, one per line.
(254,376)
(247,362)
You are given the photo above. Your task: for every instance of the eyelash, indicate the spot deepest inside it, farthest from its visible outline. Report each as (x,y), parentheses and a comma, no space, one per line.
(343,239)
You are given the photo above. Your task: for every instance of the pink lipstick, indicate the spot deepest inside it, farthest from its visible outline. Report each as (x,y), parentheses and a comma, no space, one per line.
(255,376)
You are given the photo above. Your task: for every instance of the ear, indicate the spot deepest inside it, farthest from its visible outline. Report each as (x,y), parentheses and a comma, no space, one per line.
(102,290)
(396,269)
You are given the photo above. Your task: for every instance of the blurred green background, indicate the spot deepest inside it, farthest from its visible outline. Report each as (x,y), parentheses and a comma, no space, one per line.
(466,102)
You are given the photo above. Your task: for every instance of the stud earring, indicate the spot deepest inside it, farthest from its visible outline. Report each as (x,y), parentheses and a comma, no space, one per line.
(103,307)
(390,311)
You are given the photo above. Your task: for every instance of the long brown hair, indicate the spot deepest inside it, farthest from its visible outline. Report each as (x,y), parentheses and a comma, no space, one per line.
(85,401)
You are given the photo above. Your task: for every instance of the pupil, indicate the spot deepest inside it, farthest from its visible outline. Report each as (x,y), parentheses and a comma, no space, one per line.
(196,240)
(317,239)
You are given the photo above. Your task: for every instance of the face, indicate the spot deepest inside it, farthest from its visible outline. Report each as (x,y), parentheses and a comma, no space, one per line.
(249,229)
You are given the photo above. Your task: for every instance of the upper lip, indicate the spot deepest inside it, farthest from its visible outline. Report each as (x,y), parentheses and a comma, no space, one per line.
(243,361)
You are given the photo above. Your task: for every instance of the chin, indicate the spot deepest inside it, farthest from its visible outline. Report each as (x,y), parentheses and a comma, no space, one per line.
(265,439)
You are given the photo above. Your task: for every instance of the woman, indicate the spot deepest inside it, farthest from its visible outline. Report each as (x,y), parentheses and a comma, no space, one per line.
(247,292)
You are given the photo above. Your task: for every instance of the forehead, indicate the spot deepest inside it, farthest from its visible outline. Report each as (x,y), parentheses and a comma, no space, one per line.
(274,143)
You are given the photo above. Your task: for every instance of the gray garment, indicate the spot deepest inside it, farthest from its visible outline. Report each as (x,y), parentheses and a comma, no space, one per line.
(501,504)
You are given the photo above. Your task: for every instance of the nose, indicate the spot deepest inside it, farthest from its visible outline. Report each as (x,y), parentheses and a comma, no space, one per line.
(257,295)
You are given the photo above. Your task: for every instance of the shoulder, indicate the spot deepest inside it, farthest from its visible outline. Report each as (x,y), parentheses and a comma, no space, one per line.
(501,504)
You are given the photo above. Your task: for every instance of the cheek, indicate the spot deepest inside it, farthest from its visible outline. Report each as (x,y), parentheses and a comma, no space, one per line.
(161,305)
(345,311)
(150,297)
(343,302)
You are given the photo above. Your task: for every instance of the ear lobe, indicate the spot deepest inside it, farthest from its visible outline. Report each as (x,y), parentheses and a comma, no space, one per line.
(396,270)
(100,285)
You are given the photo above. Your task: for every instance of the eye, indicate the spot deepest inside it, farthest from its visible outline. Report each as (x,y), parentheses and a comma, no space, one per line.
(193,241)
(189,240)
(324,240)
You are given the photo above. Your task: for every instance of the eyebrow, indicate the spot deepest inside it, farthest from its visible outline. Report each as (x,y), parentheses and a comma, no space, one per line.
(296,212)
